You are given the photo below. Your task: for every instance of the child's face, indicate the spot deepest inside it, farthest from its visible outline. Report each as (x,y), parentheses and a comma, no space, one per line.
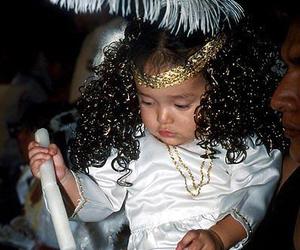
(168,113)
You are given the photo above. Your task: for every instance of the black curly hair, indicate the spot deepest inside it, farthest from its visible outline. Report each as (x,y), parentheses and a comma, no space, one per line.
(234,106)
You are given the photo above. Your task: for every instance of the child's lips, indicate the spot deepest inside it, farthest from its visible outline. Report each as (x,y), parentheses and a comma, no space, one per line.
(166,133)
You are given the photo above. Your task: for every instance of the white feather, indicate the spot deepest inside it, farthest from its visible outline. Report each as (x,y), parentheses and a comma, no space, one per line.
(189,15)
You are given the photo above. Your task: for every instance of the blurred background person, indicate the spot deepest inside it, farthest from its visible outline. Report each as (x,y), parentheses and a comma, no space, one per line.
(281,226)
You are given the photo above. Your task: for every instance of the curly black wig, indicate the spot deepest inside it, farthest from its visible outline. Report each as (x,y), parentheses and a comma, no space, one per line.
(234,107)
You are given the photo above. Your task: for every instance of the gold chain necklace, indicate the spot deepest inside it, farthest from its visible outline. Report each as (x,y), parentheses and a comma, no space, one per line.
(181,166)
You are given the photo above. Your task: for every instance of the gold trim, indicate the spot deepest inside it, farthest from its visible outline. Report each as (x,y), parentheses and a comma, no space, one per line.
(82,200)
(179,74)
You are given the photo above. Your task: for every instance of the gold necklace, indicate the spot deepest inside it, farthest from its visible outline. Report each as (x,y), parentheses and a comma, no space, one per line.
(181,166)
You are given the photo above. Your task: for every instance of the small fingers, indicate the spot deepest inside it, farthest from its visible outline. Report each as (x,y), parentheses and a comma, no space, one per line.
(186,240)
(32,144)
(37,156)
(35,166)
(53,149)
(36,149)
(197,245)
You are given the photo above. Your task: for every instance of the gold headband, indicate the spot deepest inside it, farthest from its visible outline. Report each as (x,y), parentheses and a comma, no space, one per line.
(179,74)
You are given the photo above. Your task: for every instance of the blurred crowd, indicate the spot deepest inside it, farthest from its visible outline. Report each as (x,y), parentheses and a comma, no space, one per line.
(45,54)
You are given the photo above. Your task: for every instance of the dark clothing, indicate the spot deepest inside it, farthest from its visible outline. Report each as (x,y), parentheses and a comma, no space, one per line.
(277,229)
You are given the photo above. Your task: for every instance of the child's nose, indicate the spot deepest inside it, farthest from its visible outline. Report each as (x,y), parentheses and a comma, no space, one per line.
(164,116)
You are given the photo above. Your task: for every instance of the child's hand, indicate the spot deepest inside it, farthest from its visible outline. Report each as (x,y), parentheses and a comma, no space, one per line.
(200,239)
(38,155)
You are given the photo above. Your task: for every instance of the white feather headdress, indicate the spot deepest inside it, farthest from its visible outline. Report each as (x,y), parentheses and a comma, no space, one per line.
(189,15)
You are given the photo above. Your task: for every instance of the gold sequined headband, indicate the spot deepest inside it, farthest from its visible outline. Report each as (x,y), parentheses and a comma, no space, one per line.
(179,74)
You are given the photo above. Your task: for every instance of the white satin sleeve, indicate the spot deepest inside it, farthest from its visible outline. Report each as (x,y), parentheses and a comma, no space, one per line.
(253,183)
(100,195)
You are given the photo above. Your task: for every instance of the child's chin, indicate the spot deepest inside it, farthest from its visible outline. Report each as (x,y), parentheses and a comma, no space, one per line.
(170,141)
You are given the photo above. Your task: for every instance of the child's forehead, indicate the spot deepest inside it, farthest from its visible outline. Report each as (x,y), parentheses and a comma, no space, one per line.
(151,68)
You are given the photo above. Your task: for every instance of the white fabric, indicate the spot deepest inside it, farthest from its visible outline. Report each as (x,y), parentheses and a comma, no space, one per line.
(159,208)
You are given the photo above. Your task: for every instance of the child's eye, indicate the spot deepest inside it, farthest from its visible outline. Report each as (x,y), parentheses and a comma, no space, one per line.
(148,103)
(181,106)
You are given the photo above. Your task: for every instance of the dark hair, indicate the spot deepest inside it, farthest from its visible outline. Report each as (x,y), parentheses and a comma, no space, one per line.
(234,107)
(274,15)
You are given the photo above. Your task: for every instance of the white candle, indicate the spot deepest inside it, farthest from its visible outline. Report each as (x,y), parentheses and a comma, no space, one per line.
(53,198)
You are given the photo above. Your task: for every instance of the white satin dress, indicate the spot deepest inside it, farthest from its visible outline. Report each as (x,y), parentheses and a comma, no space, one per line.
(159,208)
